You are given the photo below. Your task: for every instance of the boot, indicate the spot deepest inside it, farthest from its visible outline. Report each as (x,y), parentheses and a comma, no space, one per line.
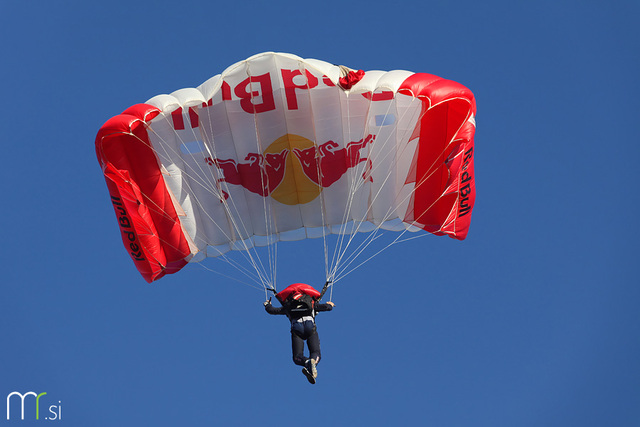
(309,375)
(312,368)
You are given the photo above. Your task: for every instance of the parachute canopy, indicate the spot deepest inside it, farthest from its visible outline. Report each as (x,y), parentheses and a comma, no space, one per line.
(280,148)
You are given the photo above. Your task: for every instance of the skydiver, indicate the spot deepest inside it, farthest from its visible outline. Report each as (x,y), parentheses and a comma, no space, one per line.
(301,308)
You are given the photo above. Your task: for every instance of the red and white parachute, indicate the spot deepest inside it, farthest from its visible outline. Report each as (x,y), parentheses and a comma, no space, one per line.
(280,148)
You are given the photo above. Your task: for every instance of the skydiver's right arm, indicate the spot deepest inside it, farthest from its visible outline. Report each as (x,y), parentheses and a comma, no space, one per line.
(273,310)
(328,306)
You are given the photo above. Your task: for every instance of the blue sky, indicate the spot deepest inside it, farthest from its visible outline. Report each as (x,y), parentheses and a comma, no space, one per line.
(533,320)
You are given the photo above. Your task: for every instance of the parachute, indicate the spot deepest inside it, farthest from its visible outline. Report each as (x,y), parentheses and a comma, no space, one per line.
(280,148)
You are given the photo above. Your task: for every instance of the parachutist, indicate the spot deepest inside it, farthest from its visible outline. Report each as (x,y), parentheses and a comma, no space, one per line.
(300,303)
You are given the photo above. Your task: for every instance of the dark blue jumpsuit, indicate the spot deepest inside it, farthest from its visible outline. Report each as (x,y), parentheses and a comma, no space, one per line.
(302,328)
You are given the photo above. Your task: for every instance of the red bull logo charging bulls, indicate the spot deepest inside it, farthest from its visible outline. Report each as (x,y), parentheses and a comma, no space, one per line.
(293,170)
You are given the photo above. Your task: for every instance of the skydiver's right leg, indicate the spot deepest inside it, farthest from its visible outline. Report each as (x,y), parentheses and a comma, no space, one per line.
(313,342)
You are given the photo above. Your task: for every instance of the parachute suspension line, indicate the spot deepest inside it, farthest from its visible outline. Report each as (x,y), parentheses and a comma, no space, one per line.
(248,253)
(397,239)
(341,247)
(234,263)
(368,241)
(345,272)
(323,206)
(353,257)
(208,186)
(355,184)
(210,145)
(373,236)
(346,136)
(241,228)
(269,218)
(192,177)
(201,265)
(238,266)
(356,253)
(252,274)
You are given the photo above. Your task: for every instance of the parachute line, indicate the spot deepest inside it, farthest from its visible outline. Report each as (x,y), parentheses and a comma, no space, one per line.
(342,250)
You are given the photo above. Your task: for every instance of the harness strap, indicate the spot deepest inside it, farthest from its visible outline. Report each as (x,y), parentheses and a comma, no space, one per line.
(324,289)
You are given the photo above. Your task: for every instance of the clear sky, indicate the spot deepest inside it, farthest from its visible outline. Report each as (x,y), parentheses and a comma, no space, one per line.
(533,320)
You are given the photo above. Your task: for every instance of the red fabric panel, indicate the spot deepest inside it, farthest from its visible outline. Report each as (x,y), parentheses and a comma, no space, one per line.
(443,166)
(178,120)
(297,287)
(350,79)
(151,230)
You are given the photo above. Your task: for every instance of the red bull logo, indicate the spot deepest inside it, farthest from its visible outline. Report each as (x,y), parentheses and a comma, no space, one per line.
(293,170)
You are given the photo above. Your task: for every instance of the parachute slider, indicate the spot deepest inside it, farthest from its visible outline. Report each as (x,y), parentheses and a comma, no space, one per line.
(349,77)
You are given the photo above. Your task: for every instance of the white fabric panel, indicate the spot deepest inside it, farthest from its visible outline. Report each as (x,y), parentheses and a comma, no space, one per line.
(211,87)
(218,141)
(188,97)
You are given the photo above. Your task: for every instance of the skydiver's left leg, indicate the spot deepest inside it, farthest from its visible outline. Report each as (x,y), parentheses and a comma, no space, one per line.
(297,349)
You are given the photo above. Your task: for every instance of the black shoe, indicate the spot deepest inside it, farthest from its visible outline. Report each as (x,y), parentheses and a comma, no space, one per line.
(309,375)
(312,368)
